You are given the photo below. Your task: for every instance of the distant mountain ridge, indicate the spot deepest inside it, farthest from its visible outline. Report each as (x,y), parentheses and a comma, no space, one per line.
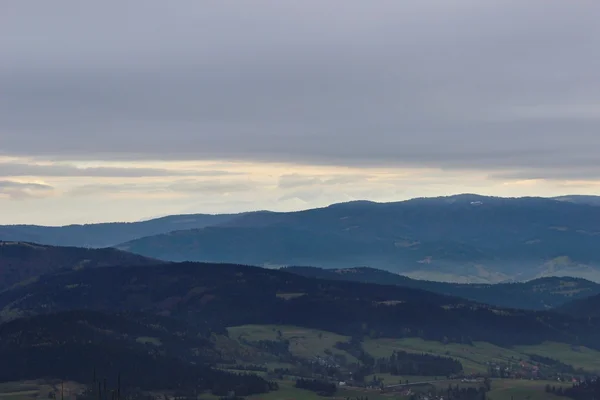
(107,234)
(580,199)
(464,238)
(538,294)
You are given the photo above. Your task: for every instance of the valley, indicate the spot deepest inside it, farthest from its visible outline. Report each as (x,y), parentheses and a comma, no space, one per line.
(109,321)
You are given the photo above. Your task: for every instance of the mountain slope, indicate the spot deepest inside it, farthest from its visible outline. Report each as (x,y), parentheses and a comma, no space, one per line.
(20,261)
(538,294)
(582,308)
(107,234)
(147,351)
(464,238)
(222,295)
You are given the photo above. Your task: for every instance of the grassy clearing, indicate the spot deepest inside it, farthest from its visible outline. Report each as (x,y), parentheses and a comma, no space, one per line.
(509,389)
(304,342)
(287,391)
(473,358)
(582,357)
(28,390)
(389,379)
(22,390)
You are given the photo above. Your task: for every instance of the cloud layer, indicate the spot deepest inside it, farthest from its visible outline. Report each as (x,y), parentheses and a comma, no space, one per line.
(504,90)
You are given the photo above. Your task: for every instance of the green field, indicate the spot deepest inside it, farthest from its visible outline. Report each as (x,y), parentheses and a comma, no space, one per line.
(308,343)
(509,389)
(304,342)
(287,391)
(29,390)
(389,379)
(473,357)
(581,357)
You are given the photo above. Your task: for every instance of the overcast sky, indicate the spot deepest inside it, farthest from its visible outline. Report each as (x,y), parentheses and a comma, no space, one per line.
(127,109)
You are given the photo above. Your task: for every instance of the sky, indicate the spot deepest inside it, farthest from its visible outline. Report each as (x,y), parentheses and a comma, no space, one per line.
(123,110)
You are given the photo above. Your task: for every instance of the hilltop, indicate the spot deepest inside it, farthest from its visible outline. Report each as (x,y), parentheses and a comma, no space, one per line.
(21,261)
(107,234)
(465,238)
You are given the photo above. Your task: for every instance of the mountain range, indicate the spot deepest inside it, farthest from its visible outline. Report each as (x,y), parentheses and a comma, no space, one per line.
(107,234)
(463,238)
(166,325)
(215,296)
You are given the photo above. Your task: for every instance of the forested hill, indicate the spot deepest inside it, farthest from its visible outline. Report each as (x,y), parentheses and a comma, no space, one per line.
(583,308)
(107,234)
(148,352)
(465,238)
(222,295)
(538,294)
(20,261)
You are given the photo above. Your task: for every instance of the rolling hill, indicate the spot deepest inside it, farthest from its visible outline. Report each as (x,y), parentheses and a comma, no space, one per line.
(464,238)
(223,295)
(107,234)
(537,294)
(146,351)
(21,261)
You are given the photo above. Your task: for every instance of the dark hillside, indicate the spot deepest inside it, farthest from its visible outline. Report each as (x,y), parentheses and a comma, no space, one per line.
(221,295)
(149,352)
(582,308)
(20,261)
(537,294)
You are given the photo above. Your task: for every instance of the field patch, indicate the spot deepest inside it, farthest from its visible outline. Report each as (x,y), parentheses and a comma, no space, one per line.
(474,358)
(304,342)
(577,356)
(509,389)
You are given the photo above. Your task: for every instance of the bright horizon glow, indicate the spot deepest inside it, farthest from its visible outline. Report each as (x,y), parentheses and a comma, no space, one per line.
(62,194)
(120,111)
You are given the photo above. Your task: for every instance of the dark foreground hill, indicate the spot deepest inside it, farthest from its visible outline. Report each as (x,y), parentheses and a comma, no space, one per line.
(537,294)
(582,308)
(107,234)
(148,352)
(464,238)
(20,261)
(222,295)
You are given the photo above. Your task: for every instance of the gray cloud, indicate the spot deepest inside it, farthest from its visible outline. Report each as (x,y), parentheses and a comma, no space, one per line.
(581,174)
(22,185)
(21,190)
(66,170)
(455,85)
(190,187)
(292,181)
